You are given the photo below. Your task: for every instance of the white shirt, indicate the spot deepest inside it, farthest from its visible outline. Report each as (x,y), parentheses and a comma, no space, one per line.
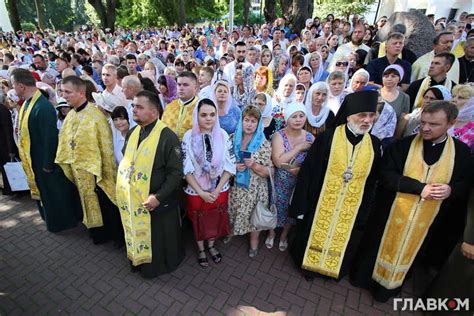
(205,92)
(229,70)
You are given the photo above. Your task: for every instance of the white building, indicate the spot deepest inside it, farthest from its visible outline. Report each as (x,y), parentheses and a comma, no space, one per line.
(440,8)
(4,18)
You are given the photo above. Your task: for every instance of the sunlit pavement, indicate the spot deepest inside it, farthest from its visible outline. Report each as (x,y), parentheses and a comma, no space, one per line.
(45,273)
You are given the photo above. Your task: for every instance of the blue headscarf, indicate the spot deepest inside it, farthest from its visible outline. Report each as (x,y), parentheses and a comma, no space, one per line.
(243,177)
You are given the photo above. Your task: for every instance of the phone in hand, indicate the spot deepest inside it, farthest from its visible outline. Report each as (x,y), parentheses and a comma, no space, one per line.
(245,154)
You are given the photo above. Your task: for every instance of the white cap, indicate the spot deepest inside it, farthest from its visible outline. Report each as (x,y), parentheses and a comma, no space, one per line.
(109,102)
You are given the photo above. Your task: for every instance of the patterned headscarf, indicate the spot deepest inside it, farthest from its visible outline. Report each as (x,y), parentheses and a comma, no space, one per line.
(208,149)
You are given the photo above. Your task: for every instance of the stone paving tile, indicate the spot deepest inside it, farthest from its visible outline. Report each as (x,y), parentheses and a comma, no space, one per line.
(55,274)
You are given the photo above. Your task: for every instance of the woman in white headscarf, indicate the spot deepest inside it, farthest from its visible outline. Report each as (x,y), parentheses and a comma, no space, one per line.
(284,95)
(264,102)
(336,82)
(319,116)
(359,81)
(314,61)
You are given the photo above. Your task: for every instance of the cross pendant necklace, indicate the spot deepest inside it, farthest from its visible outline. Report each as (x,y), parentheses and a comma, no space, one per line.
(348,175)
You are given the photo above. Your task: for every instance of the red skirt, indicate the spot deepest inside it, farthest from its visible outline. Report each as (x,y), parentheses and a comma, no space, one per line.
(210,220)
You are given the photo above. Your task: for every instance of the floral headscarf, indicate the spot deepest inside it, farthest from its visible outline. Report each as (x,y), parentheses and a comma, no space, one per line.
(208,150)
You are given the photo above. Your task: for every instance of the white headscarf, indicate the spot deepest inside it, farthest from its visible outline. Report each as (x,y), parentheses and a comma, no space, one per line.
(316,74)
(359,73)
(294,107)
(267,111)
(317,120)
(279,98)
(229,98)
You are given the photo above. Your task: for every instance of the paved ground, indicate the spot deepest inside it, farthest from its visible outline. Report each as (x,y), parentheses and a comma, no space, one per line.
(45,273)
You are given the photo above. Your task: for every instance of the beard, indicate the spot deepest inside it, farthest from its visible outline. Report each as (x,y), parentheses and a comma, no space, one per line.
(357,129)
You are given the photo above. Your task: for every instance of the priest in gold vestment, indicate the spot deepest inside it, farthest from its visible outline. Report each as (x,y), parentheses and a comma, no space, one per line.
(148,186)
(334,190)
(85,153)
(420,207)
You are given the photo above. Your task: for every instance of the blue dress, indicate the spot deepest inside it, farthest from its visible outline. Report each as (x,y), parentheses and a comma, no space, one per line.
(229,121)
(285,182)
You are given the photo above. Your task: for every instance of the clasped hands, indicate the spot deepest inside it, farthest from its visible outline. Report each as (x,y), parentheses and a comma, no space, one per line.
(436,191)
(151,202)
(209,197)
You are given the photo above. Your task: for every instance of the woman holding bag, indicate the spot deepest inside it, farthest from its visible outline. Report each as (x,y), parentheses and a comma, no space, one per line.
(208,163)
(253,153)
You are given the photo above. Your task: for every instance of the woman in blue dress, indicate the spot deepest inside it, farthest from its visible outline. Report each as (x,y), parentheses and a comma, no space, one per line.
(289,149)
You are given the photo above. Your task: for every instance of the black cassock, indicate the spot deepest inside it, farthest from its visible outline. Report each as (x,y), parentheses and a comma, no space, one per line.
(446,229)
(308,189)
(458,270)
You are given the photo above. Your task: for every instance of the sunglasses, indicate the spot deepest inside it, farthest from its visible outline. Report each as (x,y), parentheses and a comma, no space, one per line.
(342,63)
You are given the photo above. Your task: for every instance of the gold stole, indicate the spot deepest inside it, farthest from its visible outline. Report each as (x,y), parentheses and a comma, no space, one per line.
(25,145)
(410,216)
(338,204)
(133,188)
(382,52)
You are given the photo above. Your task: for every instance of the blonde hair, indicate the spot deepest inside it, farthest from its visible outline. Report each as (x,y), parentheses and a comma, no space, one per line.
(111,67)
(464,90)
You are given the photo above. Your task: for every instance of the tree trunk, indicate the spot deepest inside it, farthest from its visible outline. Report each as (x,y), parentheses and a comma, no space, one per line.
(286,8)
(246,11)
(13,14)
(269,11)
(301,10)
(107,13)
(39,4)
(111,13)
(181,13)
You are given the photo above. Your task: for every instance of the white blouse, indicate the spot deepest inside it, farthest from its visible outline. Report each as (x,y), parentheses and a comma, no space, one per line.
(189,159)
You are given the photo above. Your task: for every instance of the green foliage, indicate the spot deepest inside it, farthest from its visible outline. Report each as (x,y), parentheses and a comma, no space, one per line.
(28,26)
(146,13)
(59,14)
(201,10)
(341,8)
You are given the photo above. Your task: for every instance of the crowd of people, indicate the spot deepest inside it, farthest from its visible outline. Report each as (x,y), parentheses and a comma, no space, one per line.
(359,149)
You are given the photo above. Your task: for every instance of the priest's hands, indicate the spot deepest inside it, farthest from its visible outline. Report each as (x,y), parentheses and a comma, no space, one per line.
(151,203)
(467,250)
(435,191)
(440,191)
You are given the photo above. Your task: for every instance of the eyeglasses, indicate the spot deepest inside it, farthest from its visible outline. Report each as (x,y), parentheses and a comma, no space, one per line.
(342,63)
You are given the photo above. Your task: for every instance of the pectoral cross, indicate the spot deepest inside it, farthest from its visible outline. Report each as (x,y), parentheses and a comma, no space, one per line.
(347,175)
(72,144)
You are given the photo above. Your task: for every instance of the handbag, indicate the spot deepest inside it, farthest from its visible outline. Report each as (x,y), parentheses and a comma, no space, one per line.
(16,176)
(211,223)
(264,217)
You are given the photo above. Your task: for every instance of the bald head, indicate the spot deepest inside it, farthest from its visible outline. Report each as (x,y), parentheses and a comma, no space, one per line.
(131,85)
